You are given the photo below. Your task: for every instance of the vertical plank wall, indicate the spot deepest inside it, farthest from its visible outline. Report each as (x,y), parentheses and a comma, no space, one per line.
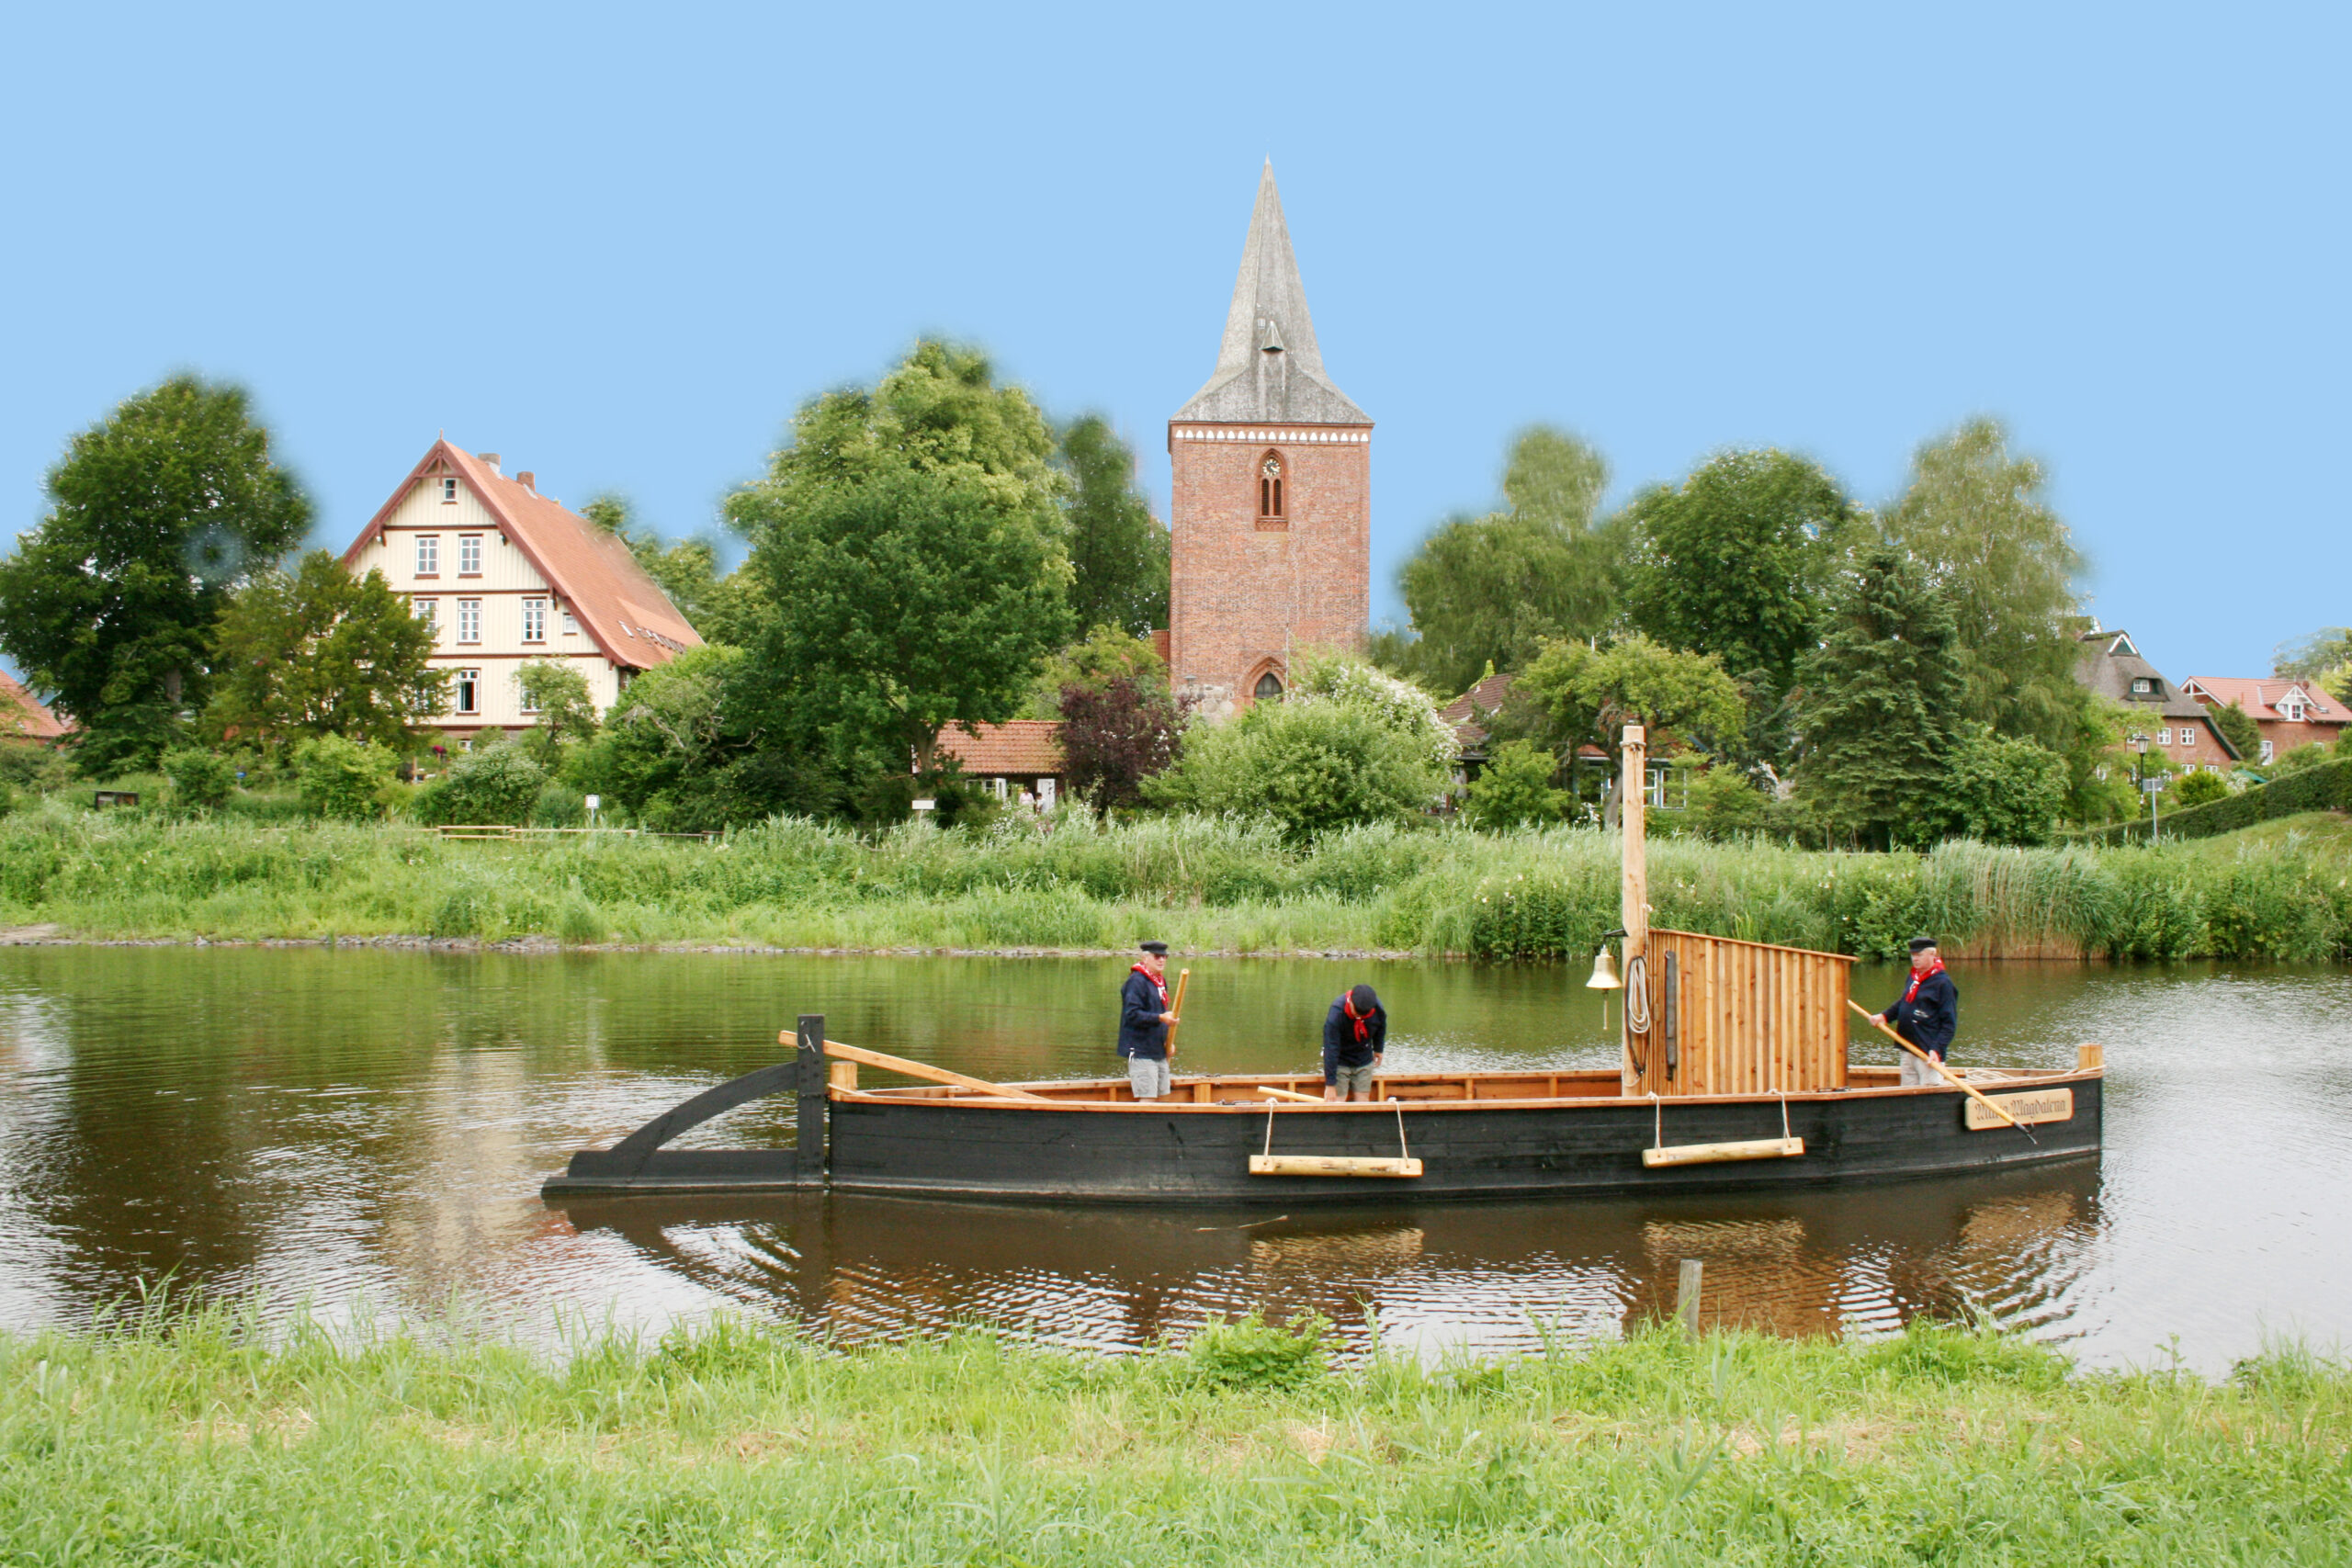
(1751,1018)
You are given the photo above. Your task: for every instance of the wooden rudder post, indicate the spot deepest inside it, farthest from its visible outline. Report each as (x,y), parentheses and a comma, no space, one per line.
(1634,901)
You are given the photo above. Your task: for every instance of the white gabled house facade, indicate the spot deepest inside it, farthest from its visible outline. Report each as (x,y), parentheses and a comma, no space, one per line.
(508,576)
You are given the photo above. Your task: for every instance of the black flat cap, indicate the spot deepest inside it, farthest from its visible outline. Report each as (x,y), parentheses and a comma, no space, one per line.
(1921,943)
(1158,947)
(1364,1001)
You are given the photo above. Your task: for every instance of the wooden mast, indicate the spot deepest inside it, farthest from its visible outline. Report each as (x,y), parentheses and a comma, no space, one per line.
(1634,907)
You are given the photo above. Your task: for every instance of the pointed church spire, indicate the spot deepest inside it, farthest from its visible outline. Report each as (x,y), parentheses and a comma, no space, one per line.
(1269,367)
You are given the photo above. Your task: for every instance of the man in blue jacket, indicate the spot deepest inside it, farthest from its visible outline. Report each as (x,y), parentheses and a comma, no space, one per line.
(1927,1014)
(1144,1018)
(1355,1035)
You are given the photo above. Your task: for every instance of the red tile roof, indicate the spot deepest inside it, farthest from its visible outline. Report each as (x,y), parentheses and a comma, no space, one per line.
(23,717)
(2260,697)
(1024,746)
(622,609)
(1466,712)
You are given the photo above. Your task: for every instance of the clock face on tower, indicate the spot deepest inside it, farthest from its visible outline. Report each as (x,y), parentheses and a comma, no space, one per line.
(1273,468)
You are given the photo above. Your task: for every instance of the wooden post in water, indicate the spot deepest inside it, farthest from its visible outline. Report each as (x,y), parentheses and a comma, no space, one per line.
(1633,904)
(808,1158)
(1686,1298)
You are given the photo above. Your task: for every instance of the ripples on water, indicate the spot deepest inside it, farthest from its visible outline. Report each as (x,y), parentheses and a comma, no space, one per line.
(367,1131)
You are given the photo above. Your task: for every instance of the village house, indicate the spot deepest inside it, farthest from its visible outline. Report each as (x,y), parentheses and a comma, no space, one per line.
(23,716)
(2168,722)
(1020,756)
(505,576)
(2289,715)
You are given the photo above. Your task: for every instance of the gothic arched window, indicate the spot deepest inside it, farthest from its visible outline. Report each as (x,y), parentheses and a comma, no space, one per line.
(1270,688)
(1270,486)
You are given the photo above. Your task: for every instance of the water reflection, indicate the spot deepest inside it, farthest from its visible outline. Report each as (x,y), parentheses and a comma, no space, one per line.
(1474,1277)
(369,1130)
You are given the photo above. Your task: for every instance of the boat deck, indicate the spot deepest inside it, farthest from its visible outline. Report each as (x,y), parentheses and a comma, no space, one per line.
(1237,1091)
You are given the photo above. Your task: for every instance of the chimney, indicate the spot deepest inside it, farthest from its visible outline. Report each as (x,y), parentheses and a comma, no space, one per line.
(492,458)
(524,478)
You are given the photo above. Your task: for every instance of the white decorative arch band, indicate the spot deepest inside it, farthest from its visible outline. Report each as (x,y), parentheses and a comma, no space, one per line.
(1255,435)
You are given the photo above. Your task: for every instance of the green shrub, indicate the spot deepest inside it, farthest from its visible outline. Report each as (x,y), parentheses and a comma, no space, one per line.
(1251,1353)
(2004,791)
(559,805)
(30,766)
(1721,804)
(343,779)
(493,784)
(1514,789)
(1313,765)
(202,780)
(2200,788)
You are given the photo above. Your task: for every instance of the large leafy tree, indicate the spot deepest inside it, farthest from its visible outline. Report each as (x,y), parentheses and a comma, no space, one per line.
(1978,520)
(1577,693)
(1876,713)
(1735,560)
(1487,590)
(912,541)
(318,651)
(157,515)
(1118,551)
(1115,735)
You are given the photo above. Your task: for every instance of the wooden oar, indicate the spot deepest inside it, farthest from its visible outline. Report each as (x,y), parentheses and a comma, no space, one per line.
(1177,1007)
(1957,1082)
(1289,1094)
(914,1069)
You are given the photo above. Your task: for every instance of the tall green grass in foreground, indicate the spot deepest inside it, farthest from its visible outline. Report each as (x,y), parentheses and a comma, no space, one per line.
(190,1440)
(1207,884)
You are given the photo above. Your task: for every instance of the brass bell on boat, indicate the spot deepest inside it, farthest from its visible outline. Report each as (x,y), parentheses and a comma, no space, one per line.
(1604,972)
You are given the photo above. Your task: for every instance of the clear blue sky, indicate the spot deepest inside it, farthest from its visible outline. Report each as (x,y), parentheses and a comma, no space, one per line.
(619,245)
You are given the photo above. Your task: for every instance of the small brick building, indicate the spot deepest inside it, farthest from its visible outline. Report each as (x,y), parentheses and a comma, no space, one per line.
(1020,756)
(1270,552)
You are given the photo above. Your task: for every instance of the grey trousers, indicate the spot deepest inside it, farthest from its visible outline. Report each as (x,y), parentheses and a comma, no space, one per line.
(1917,1074)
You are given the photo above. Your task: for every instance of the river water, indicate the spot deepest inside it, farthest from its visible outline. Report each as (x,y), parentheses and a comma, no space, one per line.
(363,1134)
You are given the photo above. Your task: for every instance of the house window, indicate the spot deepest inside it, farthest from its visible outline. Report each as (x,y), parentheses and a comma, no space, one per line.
(523,694)
(469,690)
(428,555)
(470,555)
(2164,737)
(449,493)
(535,620)
(429,611)
(570,624)
(2293,709)
(469,620)
(2142,688)
(1268,688)
(1270,487)
(2266,751)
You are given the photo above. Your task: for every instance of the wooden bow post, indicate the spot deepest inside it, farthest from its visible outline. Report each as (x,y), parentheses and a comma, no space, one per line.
(1946,1074)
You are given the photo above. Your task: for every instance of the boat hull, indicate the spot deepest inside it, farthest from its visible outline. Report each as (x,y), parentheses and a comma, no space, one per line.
(1201,1154)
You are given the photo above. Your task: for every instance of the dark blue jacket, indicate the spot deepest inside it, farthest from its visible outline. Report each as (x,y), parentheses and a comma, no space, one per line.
(1140,1031)
(1930,1019)
(1340,1046)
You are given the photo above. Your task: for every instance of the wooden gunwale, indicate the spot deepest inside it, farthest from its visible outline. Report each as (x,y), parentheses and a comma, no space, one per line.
(1243,1083)
(1846,959)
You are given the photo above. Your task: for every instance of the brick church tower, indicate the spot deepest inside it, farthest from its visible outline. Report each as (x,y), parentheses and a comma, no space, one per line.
(1271,513)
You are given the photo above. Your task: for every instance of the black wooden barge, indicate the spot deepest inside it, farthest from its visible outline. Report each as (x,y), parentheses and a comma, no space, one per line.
(1735,1076)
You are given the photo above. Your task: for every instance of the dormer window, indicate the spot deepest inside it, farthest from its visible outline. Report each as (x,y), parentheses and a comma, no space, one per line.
(2142,688)
(449,492)
(2292,708)
(1270,488)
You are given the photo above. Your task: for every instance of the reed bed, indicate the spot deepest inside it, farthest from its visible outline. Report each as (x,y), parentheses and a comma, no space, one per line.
(1211,885)
(191,1437)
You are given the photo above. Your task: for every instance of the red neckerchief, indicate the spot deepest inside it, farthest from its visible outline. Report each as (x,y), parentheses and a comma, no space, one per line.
(1162,985)
(1935,968)
(1347,1006)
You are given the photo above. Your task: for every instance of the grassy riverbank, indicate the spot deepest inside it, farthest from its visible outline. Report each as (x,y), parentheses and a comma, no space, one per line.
(193,1443)
(1208,884)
